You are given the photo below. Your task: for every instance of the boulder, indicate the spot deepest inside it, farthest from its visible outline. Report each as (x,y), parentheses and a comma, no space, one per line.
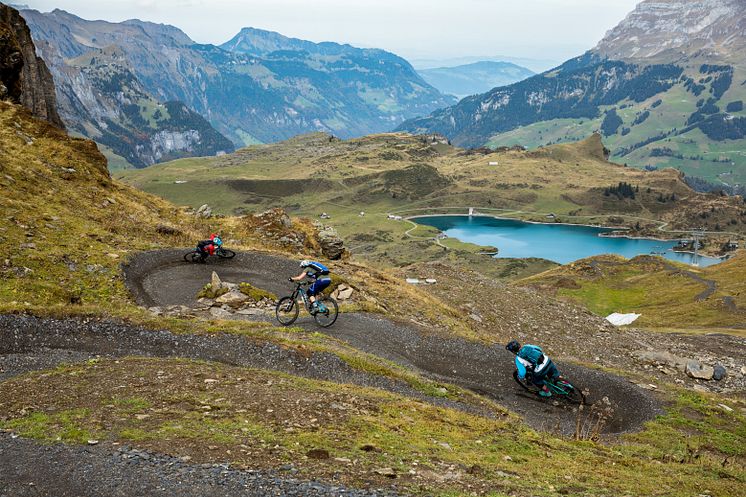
(220,313)
(699,371)
(332,246)
(234,298)
(204,211)
(344,292)
(662,358)
(719,372)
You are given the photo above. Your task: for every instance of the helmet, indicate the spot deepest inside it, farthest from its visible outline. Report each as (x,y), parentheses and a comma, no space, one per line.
(217,241)
(305,263)
(513,346)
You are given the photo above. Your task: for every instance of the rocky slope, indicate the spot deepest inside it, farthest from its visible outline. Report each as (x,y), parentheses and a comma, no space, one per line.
(478,77)
(24,77)
(664,87)
(259,87)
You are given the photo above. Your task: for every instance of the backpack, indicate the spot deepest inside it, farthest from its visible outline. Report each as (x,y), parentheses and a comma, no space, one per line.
(532,354)
(320,268)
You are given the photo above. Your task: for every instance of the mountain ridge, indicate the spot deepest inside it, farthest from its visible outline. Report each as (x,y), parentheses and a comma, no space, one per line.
(474,78)
(246,98)
(628,88)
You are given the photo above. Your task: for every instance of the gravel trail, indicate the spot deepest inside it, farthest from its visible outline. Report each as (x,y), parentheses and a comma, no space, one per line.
(160,278)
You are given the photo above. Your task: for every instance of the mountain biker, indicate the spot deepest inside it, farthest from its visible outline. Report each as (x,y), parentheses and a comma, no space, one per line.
(208,247)
(318,274)
(530,360)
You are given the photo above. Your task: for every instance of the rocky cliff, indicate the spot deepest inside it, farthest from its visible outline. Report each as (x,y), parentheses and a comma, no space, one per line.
(671,29)
(24,77)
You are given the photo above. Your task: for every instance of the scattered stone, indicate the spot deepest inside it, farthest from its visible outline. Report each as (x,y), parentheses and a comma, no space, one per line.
(387,472)
(165,229)
(343,292)
(441,391)
(234,298)
(155,310)
(220,313)
(113,255)
(92,442)
(204,211)
(719,372)
(215,281)
(318,454)
(30,246)
(369,448)
(699,371)
(725,408)
(663,358)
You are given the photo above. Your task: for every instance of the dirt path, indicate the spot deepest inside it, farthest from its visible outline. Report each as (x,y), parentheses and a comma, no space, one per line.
(160,278)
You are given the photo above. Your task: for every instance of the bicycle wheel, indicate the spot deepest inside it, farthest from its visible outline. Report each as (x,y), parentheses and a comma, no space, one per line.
(525,383)
(287,311)
(574,395)
(193,256)
(329,316)
(225,253)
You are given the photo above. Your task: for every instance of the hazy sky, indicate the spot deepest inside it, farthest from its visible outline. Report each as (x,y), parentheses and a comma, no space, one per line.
(415,29)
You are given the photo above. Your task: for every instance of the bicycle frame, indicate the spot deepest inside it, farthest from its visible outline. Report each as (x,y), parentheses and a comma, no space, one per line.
(299,291)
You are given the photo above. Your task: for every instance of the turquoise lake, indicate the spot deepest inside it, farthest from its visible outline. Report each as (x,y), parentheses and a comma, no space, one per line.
(557,242)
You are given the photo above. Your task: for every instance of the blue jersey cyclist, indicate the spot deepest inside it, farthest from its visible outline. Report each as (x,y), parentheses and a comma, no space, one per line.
(317,273)
(530,360)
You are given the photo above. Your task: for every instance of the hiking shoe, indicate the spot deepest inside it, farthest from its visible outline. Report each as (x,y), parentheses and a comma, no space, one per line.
(321,308)
(544,392)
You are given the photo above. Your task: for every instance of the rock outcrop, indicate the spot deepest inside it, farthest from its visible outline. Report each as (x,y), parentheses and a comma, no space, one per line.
(24,77)
(332,246)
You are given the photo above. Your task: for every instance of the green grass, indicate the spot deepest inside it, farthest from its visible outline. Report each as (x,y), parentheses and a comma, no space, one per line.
(251,417)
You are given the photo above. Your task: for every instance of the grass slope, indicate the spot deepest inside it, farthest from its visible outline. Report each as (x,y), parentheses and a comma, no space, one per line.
(670,296)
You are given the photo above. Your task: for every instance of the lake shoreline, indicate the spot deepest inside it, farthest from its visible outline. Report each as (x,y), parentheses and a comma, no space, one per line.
(609,232)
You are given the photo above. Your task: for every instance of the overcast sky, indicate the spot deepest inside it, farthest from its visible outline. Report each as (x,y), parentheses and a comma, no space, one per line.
(415,29)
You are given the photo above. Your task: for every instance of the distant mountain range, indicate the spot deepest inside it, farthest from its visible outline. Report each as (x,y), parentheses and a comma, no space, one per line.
(149,93)
(535,65)
(474,78)
(665,87)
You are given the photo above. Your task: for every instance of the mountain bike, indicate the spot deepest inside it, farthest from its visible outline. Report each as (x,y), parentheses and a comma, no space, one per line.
(196,256)
(288,308)
(560,388)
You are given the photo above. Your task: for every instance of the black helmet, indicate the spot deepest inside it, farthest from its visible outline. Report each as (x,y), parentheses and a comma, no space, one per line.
(513,346)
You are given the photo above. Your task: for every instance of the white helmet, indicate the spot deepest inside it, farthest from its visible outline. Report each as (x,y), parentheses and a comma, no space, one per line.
(305,263)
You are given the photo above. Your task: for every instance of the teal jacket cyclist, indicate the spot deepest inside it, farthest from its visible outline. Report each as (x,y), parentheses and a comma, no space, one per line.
(531,361)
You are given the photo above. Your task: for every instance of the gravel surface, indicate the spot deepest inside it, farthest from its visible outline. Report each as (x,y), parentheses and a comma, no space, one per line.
(13,364)
(31,469)
(160,278)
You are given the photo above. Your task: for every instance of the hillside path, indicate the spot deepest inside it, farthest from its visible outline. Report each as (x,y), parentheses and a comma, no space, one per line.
(161,279)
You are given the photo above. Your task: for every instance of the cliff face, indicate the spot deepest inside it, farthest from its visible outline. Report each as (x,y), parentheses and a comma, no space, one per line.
(24,77)
(671,29)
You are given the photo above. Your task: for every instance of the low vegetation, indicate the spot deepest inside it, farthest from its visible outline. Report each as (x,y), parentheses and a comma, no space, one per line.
(212,413)
(668,295)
